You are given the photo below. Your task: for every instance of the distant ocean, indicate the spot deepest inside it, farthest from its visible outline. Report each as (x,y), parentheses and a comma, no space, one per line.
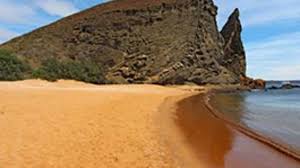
(273,113)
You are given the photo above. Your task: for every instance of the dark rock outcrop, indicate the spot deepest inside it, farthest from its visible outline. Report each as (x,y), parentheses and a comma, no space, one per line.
(144,41)
(287,86)
(234,58)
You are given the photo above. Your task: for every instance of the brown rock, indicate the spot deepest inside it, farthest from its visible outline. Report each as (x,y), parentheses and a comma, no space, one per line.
(144,41)
(234,54)
(253,83)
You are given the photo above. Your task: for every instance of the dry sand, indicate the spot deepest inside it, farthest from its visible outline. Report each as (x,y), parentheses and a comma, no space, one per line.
(71,125)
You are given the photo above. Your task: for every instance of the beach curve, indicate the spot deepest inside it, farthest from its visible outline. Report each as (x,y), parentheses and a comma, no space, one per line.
(221,145)
(253,134)
(72,124)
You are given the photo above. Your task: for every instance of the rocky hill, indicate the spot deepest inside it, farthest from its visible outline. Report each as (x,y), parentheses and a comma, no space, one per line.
(143,41)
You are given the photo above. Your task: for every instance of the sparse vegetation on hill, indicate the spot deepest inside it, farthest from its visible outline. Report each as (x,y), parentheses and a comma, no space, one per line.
(87,71)
(11,67)
(139,41)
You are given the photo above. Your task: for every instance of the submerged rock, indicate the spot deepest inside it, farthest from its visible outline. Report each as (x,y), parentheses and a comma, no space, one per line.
(289,86)
(284,86)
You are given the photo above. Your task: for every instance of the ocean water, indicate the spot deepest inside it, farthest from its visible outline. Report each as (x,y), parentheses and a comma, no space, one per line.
(274,114)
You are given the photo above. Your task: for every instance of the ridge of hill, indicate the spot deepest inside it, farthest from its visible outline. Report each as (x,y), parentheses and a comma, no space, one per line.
(141,41)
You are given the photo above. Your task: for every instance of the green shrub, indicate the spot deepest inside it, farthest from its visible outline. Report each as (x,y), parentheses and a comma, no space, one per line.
(11,67)
(86,71)
(50,70)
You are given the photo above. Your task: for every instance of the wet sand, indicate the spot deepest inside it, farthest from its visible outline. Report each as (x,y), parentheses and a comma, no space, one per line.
(287,143)
(71,125)
(221,146)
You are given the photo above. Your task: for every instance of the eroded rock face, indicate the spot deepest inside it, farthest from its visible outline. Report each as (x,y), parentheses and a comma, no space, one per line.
(145,41)
(234,54)
(253,83)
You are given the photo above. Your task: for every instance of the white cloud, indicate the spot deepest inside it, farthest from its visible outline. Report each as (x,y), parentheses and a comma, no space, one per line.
(26,11)
(256,12)
(11,12)
(57,7)
(27,14)
(275,57)
(285,72)
(6,35)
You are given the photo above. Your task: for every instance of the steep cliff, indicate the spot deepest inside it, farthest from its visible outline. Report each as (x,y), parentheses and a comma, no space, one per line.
(234,58)
(143,41)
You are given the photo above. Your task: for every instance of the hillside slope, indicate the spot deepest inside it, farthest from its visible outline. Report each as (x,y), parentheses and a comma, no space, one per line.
(139,41)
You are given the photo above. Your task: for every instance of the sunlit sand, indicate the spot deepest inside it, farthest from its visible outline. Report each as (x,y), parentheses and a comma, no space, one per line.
(72,124)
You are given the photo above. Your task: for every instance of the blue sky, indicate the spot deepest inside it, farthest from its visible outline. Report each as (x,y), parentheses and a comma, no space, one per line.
(271,29)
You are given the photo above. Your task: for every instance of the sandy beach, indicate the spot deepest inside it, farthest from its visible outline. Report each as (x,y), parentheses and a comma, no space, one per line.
(70,124)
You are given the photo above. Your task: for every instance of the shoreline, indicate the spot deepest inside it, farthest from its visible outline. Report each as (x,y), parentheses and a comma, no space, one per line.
(73,124)
(219,144)
(255,135)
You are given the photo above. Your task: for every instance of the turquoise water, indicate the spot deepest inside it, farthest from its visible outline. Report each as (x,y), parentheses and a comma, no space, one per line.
(274,113)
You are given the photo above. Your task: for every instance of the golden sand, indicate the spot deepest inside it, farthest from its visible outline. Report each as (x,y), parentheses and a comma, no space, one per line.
(70,124)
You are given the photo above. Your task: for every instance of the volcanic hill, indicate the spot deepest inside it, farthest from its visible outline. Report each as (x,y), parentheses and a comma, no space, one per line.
(143,41)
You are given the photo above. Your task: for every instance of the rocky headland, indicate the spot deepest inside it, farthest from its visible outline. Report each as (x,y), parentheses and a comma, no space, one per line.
(146,41)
